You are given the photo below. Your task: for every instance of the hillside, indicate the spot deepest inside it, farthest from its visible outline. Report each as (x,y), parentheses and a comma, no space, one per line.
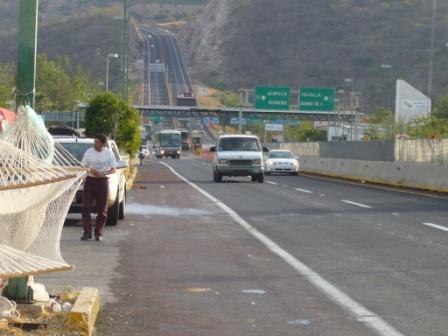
(86,40)
(242,43)
(87,31)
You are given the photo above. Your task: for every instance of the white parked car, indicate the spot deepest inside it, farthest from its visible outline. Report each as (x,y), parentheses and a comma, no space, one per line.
(282,161)
(238,155)
(117,182)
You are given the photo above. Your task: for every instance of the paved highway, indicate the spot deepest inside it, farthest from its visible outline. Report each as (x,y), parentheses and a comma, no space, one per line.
(156,88)
(387,250)
(180,80)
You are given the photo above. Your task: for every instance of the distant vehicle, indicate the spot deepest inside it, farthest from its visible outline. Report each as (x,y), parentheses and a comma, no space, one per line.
(196,139)
(167,143)
(282,161)
(185,136)
(117,182)
(186,99)
(238,155)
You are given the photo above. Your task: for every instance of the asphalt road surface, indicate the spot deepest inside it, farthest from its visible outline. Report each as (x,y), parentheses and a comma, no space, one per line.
(386,249)
(321,257)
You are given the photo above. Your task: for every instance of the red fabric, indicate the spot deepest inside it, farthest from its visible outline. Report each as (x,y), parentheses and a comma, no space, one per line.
(7,115)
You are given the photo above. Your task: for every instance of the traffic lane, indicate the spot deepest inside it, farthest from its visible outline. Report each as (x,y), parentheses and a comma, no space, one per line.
(413,207)
(391,267)
(199,273)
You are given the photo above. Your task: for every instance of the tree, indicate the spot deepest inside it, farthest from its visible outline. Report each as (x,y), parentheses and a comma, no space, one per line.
(429,127)
(128,135)
(6,84)
(109,115)
(381,125)
(59,84)
(304,132)
(441,109)
(103,114)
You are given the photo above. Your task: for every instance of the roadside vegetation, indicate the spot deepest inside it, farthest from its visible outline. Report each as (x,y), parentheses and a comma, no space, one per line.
(382,125)
(59,84)
(109,115)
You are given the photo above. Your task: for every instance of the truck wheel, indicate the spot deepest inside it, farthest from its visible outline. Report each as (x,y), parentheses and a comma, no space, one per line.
(261,178)
(122,210)
(113,213)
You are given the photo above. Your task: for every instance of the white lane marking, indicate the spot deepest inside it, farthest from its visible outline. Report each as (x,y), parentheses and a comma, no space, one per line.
(270,182)
(358,311)
(253,291)
(435,226)
(304,190)
(357,204)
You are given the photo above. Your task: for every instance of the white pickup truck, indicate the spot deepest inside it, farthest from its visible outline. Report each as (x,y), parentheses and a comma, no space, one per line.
(117,182)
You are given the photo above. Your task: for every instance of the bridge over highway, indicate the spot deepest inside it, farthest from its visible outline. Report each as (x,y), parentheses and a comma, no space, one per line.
(224,112)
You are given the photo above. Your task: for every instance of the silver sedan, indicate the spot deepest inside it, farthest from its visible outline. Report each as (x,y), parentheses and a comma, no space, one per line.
(282,162)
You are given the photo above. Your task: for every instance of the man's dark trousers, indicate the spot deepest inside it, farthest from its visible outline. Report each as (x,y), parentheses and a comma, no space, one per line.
(95,189)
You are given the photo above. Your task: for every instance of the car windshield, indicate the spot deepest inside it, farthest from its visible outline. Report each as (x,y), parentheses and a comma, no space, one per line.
(77,149)
(280,155)
(170,140)
(239,145)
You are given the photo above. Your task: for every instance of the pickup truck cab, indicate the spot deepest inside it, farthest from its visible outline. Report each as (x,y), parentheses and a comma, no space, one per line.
(238,155)
(117,182)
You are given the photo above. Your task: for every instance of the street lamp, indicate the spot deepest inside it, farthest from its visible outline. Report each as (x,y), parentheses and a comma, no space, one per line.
(389,67)
(107,69)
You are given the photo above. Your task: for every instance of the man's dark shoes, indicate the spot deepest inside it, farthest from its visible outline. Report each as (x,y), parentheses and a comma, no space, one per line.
(86,236)
(98,238)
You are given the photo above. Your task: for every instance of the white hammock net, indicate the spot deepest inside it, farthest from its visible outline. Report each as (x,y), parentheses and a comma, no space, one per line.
(37,184)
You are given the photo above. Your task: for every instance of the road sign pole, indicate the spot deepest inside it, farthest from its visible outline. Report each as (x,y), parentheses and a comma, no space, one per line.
(17,288)
(240,114)
(26,53)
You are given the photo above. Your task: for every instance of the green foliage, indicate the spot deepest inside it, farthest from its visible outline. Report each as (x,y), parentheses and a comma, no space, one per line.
(128,135)
(428,127)
(59,84)
(441,109)
(109,115)
(229,98)
(6,84)
(381,125)
(304,132)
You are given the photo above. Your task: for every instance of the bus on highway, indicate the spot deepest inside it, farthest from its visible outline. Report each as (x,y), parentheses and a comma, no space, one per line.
(167,143)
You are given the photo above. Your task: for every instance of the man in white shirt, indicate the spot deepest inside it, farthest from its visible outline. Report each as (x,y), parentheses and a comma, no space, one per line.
(100,162)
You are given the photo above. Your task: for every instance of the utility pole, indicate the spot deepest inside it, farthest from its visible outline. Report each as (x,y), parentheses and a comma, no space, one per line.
(17,288)
(26,53)
(125,50)
(431,48)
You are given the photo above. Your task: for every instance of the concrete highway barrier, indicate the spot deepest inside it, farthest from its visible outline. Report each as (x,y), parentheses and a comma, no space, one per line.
(428,176)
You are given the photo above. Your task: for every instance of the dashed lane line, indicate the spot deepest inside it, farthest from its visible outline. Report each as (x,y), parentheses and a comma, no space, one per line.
(354,308)
(357,204)
(304,191)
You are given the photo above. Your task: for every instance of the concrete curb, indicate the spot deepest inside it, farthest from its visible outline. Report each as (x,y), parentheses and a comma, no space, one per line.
(85,311)
(131,179)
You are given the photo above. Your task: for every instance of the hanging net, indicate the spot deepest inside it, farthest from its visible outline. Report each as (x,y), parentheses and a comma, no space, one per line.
(38,181)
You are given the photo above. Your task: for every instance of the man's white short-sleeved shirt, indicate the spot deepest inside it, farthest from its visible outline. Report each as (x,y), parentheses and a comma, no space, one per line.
(102,161)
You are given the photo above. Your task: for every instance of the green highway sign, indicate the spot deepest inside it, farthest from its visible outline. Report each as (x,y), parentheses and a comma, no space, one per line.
(271,98)
(316,99)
